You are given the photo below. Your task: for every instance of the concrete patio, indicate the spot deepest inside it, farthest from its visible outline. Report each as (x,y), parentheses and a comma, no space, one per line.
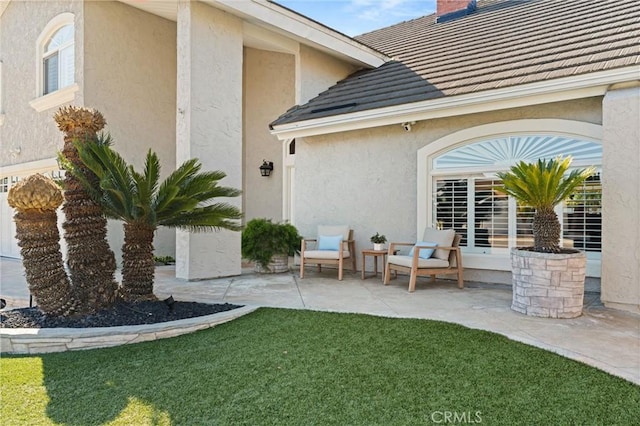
(604,338)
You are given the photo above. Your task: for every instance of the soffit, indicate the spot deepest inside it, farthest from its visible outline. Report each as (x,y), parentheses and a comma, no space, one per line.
(273,17)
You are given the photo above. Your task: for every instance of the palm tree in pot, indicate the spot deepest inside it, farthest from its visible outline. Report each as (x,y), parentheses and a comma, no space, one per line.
(542,185)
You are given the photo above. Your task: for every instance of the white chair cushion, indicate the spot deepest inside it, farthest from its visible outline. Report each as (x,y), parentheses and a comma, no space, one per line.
(324,254)
(444,238)
(334,230)
(422,263)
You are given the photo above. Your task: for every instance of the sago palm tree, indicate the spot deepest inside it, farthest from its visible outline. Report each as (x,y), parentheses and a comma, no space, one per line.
(91,262)
(35,200)
(542,185)
(183,200)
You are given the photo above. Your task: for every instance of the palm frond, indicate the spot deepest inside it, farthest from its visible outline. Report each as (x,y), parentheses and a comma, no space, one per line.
(208,218)
(542,184)
(115,180)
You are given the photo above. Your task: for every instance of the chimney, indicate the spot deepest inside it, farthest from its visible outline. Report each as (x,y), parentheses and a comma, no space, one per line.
(448,6)
(448,10)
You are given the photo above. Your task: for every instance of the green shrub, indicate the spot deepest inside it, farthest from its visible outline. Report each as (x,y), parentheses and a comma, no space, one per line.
(262,239)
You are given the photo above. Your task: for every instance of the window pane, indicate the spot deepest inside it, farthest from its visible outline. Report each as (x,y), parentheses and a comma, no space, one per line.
(451,206)
(60,37)
(524,227)
(66,67)
(491,215)
(50,74)
(583,216)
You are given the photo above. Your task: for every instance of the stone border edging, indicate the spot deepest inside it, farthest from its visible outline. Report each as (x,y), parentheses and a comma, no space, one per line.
(47,340)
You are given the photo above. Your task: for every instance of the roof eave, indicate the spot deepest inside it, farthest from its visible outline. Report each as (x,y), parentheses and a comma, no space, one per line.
(283,21)
(303,29)
(561,89)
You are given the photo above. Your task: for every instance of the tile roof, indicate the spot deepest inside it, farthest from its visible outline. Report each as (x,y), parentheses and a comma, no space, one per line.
(504,43)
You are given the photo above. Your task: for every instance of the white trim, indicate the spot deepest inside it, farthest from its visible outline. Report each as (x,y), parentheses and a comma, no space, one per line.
(3,6)
(547,91)
(569,128)
(54,99)
(288,183)
(59,21)
(25,169)
(302,29)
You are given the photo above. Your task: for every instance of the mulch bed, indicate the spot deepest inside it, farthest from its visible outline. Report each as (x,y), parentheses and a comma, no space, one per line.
(122,313)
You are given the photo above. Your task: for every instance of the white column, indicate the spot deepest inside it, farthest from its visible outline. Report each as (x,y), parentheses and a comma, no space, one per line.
(209,126)
(621,199)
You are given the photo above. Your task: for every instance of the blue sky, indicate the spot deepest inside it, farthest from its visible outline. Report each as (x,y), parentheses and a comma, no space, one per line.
(354,17)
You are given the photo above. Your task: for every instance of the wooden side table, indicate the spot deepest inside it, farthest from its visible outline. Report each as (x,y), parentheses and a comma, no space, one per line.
(375,254)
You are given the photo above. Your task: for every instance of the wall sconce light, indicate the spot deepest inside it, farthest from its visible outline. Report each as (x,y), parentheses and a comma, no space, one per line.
(266,168)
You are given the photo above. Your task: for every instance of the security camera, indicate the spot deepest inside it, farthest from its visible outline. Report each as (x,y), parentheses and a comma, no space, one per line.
(407,125)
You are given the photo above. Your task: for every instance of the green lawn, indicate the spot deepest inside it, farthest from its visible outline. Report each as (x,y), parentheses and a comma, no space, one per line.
(278,366)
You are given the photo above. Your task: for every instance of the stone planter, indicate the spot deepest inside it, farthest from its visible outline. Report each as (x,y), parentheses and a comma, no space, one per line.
(377,246)
(547,284)
(279,264)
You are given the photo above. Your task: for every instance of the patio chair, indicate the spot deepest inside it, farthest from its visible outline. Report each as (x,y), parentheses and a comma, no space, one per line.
(333,246)
(437,253)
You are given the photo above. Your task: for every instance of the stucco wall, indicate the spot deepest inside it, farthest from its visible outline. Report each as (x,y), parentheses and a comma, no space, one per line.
(367,178)
(318,71)
(130,76)
(34,133)
(621,199)
(209,125)
(269,89)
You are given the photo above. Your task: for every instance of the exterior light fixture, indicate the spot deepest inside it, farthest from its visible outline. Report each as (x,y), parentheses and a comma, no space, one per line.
(266,168)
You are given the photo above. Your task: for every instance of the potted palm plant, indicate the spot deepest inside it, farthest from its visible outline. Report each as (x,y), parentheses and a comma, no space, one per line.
(378,241)
(270,244)
(548,280)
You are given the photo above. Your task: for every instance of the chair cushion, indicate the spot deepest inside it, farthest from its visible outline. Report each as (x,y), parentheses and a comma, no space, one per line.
(443,238)
(334,230)
(422,263)
(324,254)
(329,242)
(424,253)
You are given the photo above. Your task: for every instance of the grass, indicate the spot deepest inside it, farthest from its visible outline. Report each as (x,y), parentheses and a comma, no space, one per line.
(280,367)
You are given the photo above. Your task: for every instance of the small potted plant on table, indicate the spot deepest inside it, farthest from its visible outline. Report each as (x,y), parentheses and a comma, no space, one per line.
(270,244)
(378,241)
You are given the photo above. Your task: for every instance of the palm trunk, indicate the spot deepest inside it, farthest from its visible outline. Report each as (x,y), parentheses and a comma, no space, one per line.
(39,239)
(91,261)
(138,267)
(546,231)
(35,200)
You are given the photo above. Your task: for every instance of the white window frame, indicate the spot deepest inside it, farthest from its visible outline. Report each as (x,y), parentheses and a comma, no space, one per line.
(425,175)
(63,95)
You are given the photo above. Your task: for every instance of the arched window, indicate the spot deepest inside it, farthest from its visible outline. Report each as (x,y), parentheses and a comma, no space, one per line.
(457,188)
(58,60)
(465,196)
(55,64)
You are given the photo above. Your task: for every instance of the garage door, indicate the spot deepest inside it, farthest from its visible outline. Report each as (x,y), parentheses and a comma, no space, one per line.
(8,243)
